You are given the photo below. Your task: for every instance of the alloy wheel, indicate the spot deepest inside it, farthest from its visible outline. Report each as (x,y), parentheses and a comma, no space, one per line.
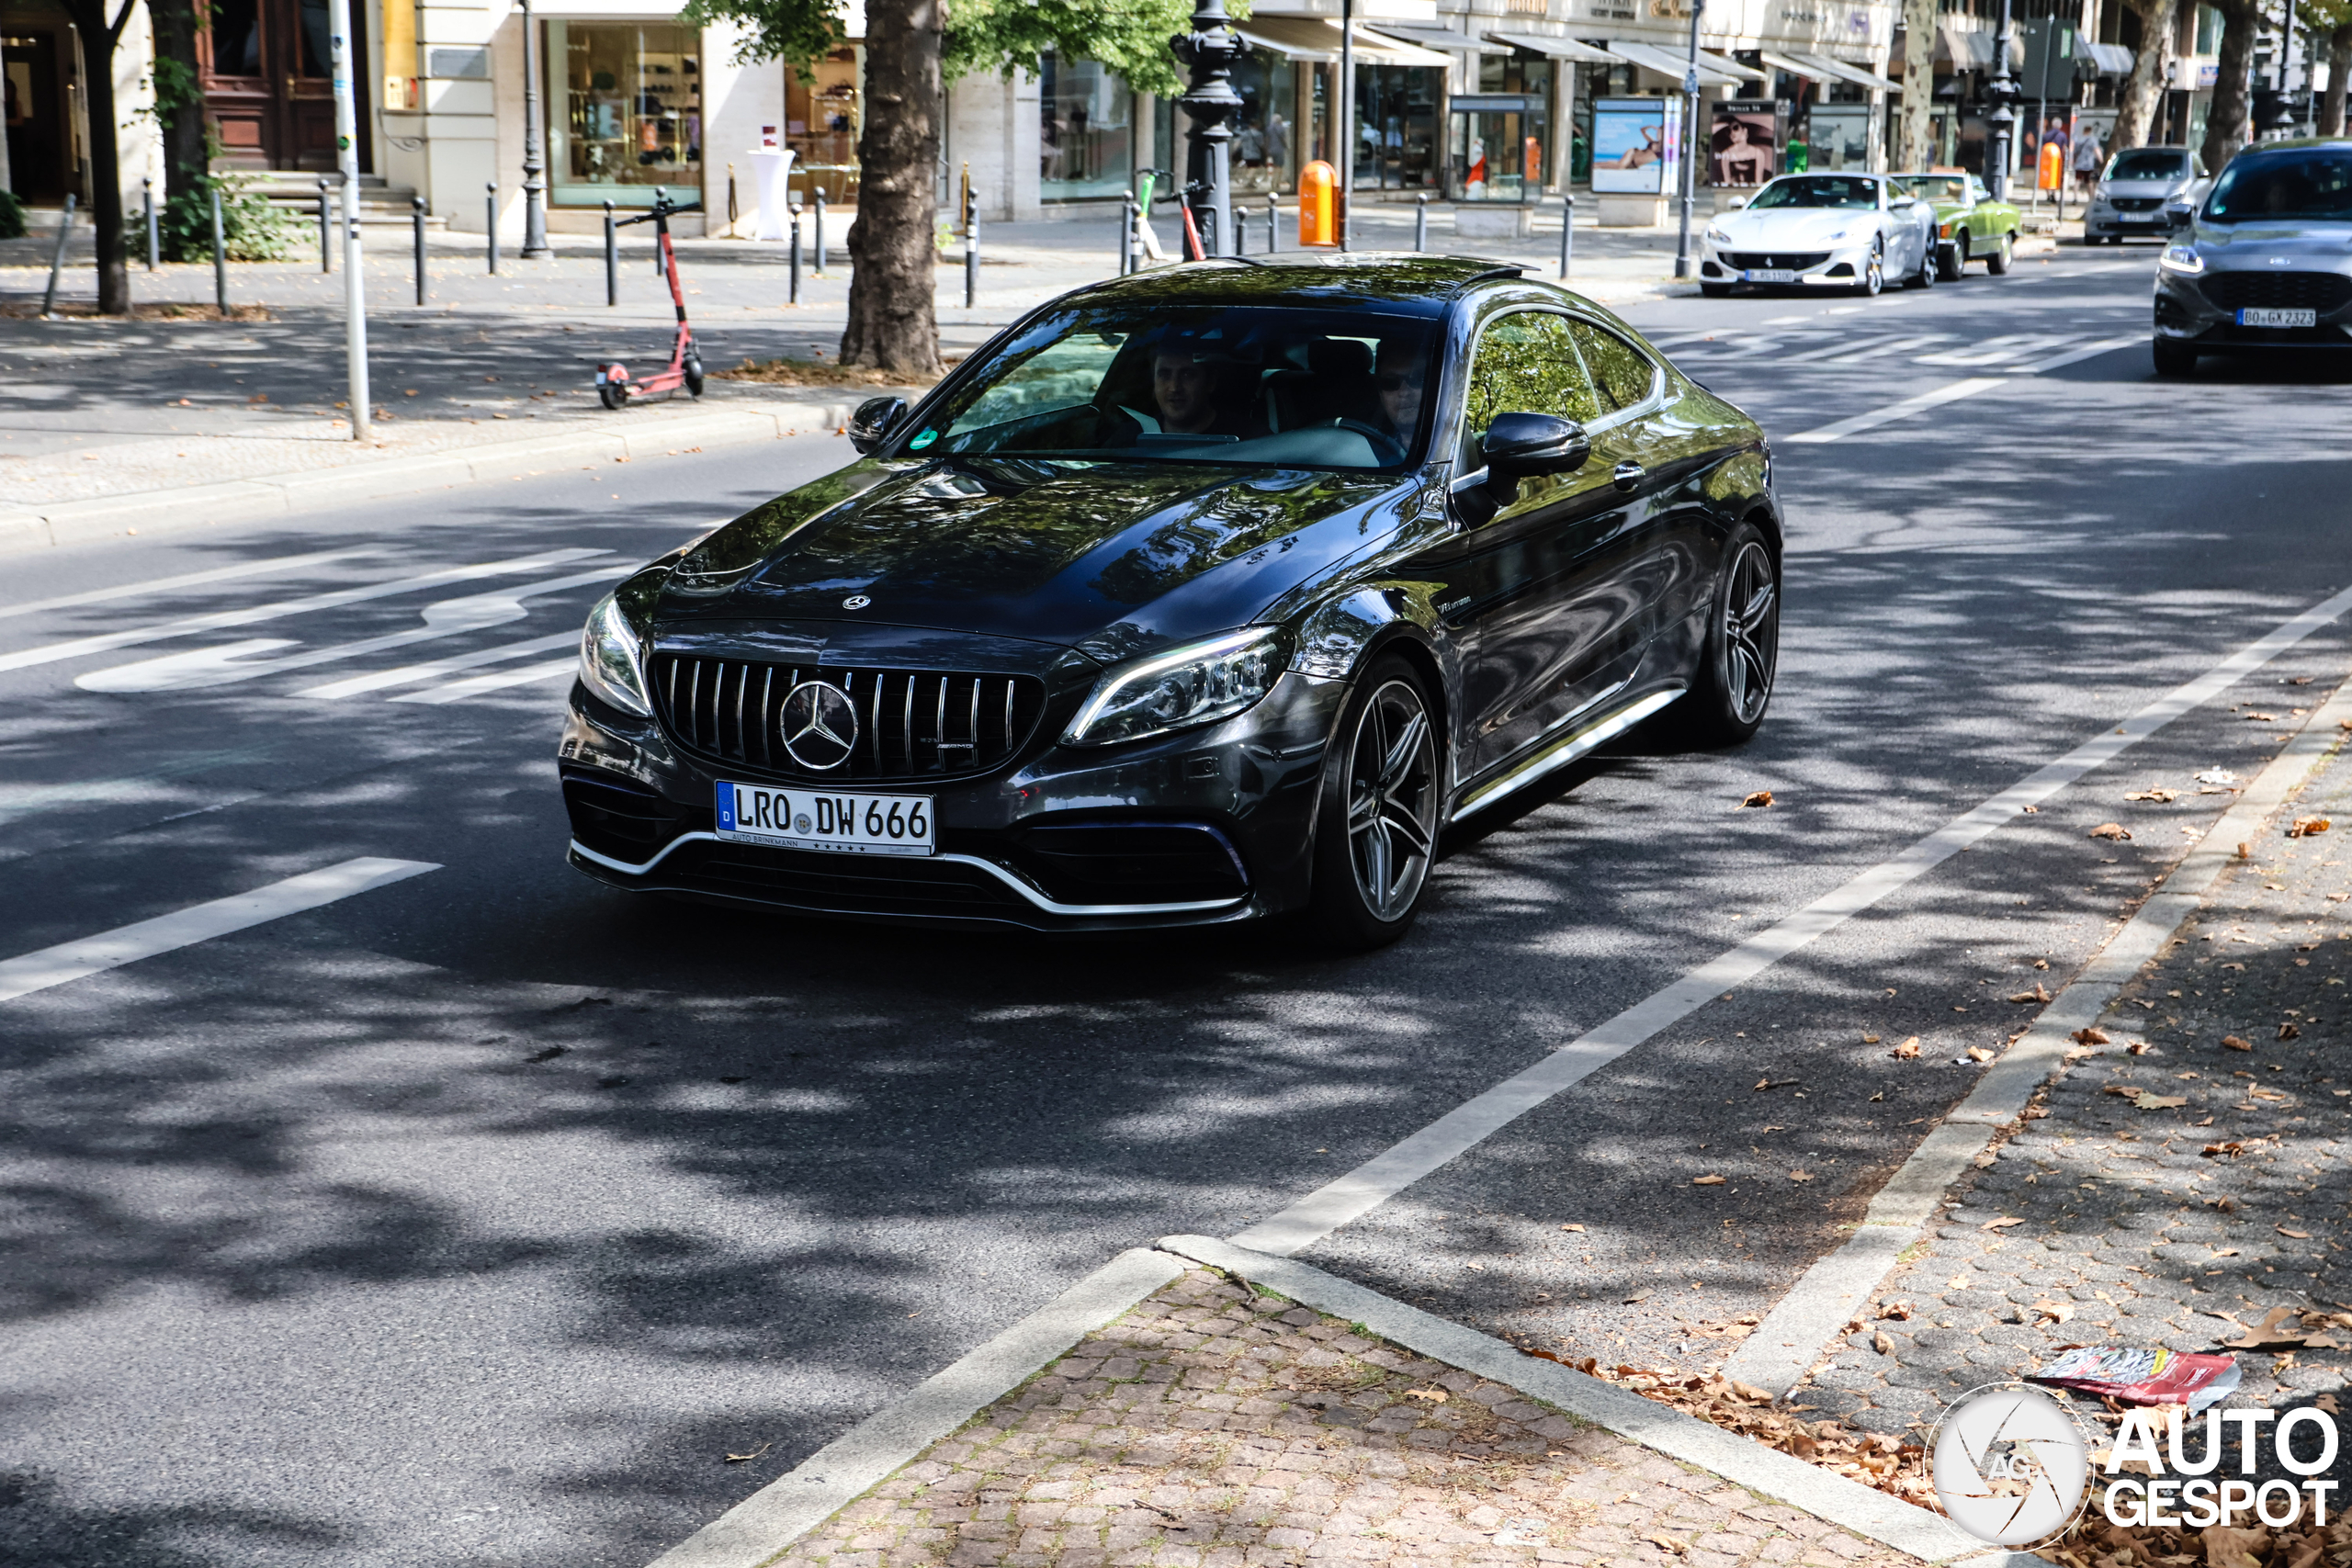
(1392,800)
(1751,631)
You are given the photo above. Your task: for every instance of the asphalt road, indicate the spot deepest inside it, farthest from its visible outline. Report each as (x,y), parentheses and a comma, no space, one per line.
(473,1219)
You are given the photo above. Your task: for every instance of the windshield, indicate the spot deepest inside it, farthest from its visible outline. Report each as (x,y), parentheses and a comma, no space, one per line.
(1817,190)
(1934,187)
(2313,185)
(2148,164)
(1253,384)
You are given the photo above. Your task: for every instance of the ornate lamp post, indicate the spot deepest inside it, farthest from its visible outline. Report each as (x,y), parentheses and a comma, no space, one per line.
(535,185)
(2000,126)
(1209,50)
(1690,140)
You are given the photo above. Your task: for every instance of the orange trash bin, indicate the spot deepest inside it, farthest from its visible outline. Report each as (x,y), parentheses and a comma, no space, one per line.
(2053,165)
(1317,220)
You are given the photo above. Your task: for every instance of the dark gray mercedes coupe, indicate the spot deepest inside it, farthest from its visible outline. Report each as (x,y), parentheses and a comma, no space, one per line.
(1212,593)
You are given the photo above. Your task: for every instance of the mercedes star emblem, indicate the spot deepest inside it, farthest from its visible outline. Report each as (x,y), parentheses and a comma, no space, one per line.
(819,723)
(857,602)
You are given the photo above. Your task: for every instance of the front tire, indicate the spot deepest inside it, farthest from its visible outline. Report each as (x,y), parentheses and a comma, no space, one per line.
(1733,685)
(1998,262)
(1954,260)
(1715,290)
(2173,357)
(1377,825)
(1873,277)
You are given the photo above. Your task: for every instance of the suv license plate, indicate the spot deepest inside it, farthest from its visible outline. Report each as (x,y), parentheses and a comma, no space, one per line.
(1767,275)
(2251,318)
(828,819)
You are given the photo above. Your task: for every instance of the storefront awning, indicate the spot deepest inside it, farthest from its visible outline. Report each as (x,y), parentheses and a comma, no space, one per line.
(1557,47)
(1974,51)
(1311,39)
(1712,70)
(2113,59)
(1825,68)
(1437,38)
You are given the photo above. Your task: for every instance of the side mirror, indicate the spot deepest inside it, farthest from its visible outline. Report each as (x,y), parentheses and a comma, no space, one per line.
(873,422)
(1735,203)
(1522,445)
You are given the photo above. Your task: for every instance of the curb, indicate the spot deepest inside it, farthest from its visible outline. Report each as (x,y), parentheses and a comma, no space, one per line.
(1800,1328)
(1886,1520)
(279,495)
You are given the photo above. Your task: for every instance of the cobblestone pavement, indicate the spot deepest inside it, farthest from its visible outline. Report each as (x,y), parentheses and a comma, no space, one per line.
(1213,1428)
(2103,1222)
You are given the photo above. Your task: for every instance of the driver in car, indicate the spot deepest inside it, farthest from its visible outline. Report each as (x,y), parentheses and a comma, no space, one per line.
(1194,388)
(1396,376)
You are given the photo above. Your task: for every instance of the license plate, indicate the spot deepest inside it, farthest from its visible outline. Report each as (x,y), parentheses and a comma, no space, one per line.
(2251,318)
(826,819)
(1767,275)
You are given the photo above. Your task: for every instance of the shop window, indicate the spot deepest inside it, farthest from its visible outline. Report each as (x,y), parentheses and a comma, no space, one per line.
(1086,129)
(1396,126)
(629,96)
(822,119)
(1265,136)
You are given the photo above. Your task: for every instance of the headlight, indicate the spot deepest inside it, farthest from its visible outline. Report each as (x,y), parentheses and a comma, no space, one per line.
(608,660)
(1715,236)
(1198,683)
(2181,258)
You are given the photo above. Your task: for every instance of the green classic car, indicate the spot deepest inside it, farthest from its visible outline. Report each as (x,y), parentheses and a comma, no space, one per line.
(1970,225)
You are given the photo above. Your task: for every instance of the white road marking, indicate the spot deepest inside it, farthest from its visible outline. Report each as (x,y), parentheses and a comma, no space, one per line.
(409,674)
(186,579)
(2077,355)
(457,690)
(2000,350)
(187,626)
(1784,321)
(1846,345)
(1903,410)
(222,666)
(1892,345)
(1382,1177)
(200,922)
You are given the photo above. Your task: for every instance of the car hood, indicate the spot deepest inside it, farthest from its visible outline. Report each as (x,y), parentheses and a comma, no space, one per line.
(1112,559)
(2251,245)
(1796,228)
(2128,188)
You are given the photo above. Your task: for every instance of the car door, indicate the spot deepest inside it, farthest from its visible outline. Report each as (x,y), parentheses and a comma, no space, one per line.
(1536,579)
(1659,541)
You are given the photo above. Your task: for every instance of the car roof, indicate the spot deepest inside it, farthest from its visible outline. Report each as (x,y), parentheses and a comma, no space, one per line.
(1405,282)
(2293,144)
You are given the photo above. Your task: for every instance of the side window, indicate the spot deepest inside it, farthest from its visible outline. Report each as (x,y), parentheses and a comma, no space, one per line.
(1525,364)
(1621,372)
(1064,375)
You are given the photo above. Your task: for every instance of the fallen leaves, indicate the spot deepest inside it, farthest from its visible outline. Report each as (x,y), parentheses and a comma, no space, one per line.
(2148,1100)
(2304,827)
(1572,1227)
(1907,1051)
(1800,1175)
(2153,792)
(1667,1544)
(1756,801)
(2040,993)
(2236,1043)
(1979,1054)
(739,1458)
(2004,1222)
(2223,1151)
(1428,1396)
(2115,830)
(1708,1181)
(1899,1311)
(1881,1343)
(2255,717)
(2089,1034)
(2288,1328)
(2055,1312)
(2299,1236)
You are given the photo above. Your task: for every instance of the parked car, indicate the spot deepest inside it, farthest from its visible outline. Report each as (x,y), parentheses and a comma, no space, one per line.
(2142,191)
(1970,225)
(1845,231)
(2266,263)
(1203,595)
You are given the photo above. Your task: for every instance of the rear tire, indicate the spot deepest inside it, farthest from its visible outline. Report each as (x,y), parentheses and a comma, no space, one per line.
(611,394)
(1930,265)
(2173,357)
(1715,291)
(1377,824)
(1733,685)
(692,368)
(1998,262)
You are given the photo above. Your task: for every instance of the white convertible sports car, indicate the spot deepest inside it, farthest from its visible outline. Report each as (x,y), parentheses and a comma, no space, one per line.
(1849,231)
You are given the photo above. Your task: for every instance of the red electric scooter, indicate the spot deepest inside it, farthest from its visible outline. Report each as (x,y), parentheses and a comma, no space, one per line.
(615,386)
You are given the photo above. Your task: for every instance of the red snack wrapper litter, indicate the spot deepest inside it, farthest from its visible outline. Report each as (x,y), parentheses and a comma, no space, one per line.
(2143,1377)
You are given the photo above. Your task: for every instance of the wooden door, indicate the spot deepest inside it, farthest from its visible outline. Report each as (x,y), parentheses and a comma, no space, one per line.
(266,87)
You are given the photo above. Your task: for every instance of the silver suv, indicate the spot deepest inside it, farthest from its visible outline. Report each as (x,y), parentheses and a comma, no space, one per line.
(2139,186)
(2267,264)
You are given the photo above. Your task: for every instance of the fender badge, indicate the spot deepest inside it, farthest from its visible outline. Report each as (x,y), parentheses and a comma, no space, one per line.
(857,602)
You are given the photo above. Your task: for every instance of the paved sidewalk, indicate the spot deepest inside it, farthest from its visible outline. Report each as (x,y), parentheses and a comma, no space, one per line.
(2181,1224)
(1215,1427)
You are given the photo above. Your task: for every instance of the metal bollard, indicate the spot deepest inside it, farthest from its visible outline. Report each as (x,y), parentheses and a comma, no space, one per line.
(659,192)
(612,257)
(490,229)
(1568,231)
(971,248)
(416,222)
(155,237)
(1274,217)
(1126,229)
(326,227)
(819,200)
(57,261)
(219,256)
(792,204)
(1421,223)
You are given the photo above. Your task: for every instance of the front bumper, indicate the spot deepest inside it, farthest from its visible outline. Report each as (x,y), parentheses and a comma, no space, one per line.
(1203,827)
(2186,313)
(2101,220)
(1840,268)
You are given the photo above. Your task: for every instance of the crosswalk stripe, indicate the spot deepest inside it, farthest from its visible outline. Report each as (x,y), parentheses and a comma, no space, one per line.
(185,580)
(457,690)
(199,922)
(409,674)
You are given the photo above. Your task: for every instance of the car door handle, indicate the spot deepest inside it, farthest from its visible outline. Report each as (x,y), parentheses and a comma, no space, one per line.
(1627,475)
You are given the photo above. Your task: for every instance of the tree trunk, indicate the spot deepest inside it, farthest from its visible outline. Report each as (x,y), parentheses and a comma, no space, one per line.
(892,325)
(2339,62)
(2144,94)
(106,172)
(1918,81)
(179,98)
(2225,127)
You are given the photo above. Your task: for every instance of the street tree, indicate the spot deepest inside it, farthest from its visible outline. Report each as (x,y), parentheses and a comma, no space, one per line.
(913,50)
(99,35)
(2330,25)
(2226,127)
(2144,94)
(1918,81)
(179,96)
